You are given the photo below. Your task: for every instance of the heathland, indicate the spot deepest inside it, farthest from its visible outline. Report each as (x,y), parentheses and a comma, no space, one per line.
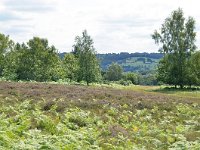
(75,103)
(59,116)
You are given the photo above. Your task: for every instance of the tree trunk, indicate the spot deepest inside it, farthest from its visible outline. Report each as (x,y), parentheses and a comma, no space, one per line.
(181,86)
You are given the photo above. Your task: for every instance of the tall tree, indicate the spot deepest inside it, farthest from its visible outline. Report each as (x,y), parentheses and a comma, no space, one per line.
(38,61)
(6,45)
(177,38)
(89,69)
(12,63)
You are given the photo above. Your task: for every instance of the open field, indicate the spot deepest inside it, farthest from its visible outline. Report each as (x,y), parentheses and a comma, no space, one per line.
(56,116)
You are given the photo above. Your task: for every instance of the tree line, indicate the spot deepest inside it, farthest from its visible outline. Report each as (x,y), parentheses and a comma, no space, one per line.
(37,60)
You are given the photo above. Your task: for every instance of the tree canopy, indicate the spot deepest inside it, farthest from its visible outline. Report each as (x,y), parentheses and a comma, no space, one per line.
(114,72)
(89,69)
(6,45)
(70,64)
(177,39)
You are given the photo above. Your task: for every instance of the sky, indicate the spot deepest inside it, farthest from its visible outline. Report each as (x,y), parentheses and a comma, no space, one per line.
(114,25)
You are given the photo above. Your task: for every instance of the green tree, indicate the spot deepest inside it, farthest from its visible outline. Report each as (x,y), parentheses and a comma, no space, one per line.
(194,70)
(70,64)
(12,63)
(114,72)
(149,79)
(38,61)
(133,77)
(88,64)
(6,45)
(177,38)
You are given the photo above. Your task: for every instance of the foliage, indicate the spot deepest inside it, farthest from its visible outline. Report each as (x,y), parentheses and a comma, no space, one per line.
(149,79)
(125,82)
(41,60)
(6,45)
(35,61)
(11,65)
(133,77)
(70,64)
(177,37)
(194,70)
(89,69)
(25,125)
(130,62)
(114,72)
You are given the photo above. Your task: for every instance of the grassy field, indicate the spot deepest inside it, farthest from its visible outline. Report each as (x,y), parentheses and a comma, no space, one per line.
(56,116)
(189,93)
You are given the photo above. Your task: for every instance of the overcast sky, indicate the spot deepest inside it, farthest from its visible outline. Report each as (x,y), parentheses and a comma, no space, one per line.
(115,25)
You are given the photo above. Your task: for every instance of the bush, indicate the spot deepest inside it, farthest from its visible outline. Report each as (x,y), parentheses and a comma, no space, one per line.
(125,82)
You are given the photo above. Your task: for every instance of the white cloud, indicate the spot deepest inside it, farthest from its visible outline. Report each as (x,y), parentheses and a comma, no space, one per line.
(115,25)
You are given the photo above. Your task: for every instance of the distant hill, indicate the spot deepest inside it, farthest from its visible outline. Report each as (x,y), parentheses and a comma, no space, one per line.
(134,62)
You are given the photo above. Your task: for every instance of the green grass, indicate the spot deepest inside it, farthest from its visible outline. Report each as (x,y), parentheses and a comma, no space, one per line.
(189,93)
(181,93)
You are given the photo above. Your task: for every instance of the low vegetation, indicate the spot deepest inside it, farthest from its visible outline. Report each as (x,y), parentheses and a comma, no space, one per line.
(35,116)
